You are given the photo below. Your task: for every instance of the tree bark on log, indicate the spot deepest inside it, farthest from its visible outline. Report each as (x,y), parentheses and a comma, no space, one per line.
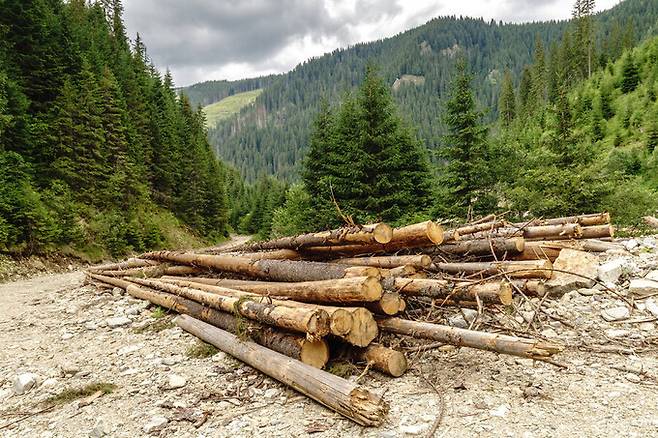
(511,268)
(342,291)
(533,288)
(483,247)
(275,270)
(457,234)
(384,359)
(376,233)
(387,262)
(419,235)
(522,347)
(340,319)
(540,232)
(314,352)
(313,322)
(344,397)
(499,292)
(389,304)
(127,264)
(585,220)
(400,271)
(153,271)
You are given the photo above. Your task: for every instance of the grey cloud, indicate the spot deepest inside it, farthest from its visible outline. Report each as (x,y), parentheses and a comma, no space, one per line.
(205,33)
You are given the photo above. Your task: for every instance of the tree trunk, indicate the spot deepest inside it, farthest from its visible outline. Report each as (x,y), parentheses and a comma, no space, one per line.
(275,270)
(128,264)
(153,271)
(344,397)
(483,248)
(314,352)
(540,232)
(458,233)
(491,292)
(388,262)
(313,322)
(279,254)
(341,320)
(363,271)
(400,271)
(512,268)
(389,304)
(386,360)
(343,291)
(585,220)
(522,347)
(376,233)
(598,232)
(419,235)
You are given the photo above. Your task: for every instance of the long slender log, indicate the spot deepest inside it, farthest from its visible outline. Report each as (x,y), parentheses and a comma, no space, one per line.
(483,247)
(362,271)
(314,352)
(342,291)
(279,254)
(540,232)
(458,233)
(153,271)
(522,347)
(585,220)
(400,271)
(388,262)
(598,232)
(376,233)
(389,304)
(384,359)
(314,322)
(551,249)
(340,319)
(512,268)
(127,264)
(344,397)
(276,270)
(419,235)
(499,292)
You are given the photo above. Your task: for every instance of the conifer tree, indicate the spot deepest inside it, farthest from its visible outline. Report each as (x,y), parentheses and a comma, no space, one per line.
(507,99)
(652,132)
(527,93)
(630,75)
(465,174)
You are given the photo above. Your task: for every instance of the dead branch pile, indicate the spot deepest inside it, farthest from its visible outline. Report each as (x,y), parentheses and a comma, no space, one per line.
(288,305)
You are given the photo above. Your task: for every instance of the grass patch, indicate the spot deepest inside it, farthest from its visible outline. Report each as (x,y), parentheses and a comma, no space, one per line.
(158,312)
(229,106)
(341,368)
(72,394)
(158,326)
(201,350)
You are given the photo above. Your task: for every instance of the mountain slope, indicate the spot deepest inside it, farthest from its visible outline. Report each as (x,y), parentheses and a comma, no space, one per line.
(271,136)
(229,106)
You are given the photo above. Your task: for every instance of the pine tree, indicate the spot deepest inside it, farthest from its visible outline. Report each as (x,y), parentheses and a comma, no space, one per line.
(539,72)
(652,132)
(630,75)
(465,175)
(507,99)
(605,96)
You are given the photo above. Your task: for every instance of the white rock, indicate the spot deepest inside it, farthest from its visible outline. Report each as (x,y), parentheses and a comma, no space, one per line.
(631,244)
(588,292)
(155,424)
(653,275)
(413,429)
(99,430)
(129,349)
(500,411)
(549,333)
(117,291)
(578,262)
(91,326)
(118,321)
(67,336)
(616,314)
(612,270)
(219,357)
(617,333)
(176,381)
(171,360)
(634,378)
(24,382)
(49,383)
(651,307)
(457,321)
(641,287)
(271,393)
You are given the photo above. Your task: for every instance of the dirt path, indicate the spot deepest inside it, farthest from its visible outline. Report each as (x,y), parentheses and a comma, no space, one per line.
(71,335)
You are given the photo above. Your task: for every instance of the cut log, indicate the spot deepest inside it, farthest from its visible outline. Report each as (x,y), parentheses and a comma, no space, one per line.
(551,249)
(127,264)
(386,360)
(388,262)
(340,319)
(540,232)
(153,271)
(512,268)
(651,221)
(276,270)
(389,304)
(344,397)
(459,233)
(585,220)
(522,347)
(313,322)
(362,271)
(499,292)
(364,327)
(598,232)
(314,352)
(342,291)
(533,288)
(280,254)
(376,233)
(420,235)
(400,271)
(483,247)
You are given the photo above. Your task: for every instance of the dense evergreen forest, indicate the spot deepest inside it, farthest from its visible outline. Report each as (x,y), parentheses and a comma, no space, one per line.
(576,132)
(272,137)
(98,153)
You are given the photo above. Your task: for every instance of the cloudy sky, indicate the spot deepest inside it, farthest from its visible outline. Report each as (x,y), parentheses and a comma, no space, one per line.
(232,39)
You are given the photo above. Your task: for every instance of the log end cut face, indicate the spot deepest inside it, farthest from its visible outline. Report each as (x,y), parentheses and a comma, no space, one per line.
(382,233)
(368,409)
(435,232)
(315,352)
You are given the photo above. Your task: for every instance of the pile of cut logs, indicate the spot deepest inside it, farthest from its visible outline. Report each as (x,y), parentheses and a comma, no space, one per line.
(286,306)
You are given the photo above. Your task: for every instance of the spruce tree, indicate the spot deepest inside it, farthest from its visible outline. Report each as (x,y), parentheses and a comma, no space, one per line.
(652,132)
(466,173)
(630,74)
(527,94)
(507,99)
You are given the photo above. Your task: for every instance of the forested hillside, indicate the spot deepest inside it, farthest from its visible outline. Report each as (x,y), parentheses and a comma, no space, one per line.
(98,154)
(272,137)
